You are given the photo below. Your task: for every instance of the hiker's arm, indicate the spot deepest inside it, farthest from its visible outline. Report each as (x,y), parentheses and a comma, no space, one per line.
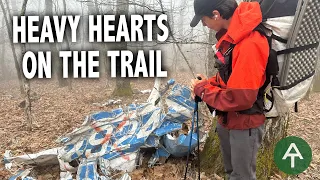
(242,88)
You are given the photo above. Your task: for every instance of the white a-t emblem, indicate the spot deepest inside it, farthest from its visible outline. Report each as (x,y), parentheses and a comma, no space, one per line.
(292,155)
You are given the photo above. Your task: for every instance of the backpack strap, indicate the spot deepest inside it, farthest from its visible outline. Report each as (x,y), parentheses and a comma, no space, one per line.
(297,49)
(278,38)
(262,29)
(271,99)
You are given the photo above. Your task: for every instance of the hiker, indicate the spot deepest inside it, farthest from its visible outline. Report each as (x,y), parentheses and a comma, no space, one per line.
(233,93)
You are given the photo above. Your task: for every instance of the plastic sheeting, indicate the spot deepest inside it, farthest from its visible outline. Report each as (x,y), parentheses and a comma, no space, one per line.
(112,140)
(115,137)
(23,175)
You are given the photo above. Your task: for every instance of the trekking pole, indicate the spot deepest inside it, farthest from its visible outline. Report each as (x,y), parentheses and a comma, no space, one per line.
(192,126)
(198,136)
(195,115)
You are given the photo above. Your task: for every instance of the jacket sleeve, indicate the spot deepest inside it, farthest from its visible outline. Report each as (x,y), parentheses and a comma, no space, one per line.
(213,81)
(248,75)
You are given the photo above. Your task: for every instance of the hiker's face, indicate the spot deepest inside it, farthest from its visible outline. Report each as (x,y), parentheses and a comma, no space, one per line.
(212,23)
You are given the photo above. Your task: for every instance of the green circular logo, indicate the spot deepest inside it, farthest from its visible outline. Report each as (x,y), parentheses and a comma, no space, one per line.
(292,155)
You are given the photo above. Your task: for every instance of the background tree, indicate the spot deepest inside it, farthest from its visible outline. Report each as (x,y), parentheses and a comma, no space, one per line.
(27,89)
(316,80)
(123,87)
(57,63)
(3,52)
(13,49)
(210,54)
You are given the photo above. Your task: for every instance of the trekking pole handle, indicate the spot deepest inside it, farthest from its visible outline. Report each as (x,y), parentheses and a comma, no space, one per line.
(197,98)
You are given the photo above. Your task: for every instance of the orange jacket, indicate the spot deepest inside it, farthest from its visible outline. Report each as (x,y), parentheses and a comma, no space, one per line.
(249,61)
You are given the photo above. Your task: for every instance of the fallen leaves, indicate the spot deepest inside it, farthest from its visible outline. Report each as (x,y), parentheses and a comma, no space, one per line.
(59,110)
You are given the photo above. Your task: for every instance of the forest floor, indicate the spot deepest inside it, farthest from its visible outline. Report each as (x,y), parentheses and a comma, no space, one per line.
(58,111)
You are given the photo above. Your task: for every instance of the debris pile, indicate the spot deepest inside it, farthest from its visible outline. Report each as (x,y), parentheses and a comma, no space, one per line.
(111,141)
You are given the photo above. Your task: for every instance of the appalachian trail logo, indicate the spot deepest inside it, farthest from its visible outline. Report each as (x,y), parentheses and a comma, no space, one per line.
(292,155)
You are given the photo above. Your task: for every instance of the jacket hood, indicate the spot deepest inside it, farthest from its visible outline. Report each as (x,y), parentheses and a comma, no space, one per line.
(245,18)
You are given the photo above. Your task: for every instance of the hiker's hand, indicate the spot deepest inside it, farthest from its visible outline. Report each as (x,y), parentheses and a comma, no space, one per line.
(196,81)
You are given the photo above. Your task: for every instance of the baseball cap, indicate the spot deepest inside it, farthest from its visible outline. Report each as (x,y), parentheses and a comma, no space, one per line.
(204,8)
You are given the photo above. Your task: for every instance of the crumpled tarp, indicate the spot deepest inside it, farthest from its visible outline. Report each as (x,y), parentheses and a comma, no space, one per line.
(22,174)
(112,140)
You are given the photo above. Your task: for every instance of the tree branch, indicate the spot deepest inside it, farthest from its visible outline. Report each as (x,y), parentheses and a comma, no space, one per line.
(174,39)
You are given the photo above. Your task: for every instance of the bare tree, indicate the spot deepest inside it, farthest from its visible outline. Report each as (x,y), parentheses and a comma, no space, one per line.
(93,8)
(210,55)
(3,52)
(16,63)
(14,7)
(123,87)
(24,84)
(316,79)
(57,63)
(27,109)
(175,58)
(69,80)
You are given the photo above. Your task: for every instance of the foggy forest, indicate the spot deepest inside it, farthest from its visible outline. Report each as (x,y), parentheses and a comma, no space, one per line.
(35,112)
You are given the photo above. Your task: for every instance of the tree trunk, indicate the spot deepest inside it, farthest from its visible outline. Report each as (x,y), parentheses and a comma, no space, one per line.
(24,7)
(57,63)
(26,82)
(84,23)
(310,90)
(175,51)
(174,61)
(316,83)
(69,80)
(15,11)
(123,87)
(27,109)
(3,52)
(92,10)
(96,6)
(210,56)
(16,63)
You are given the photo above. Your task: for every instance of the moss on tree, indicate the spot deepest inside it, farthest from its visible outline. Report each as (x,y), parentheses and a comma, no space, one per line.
(122,92)
(123,88)
(211,157)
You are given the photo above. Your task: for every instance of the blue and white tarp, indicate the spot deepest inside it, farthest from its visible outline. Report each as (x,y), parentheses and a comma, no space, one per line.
(112,140)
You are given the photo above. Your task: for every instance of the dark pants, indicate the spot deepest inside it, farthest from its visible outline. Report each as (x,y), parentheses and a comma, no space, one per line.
(239,149)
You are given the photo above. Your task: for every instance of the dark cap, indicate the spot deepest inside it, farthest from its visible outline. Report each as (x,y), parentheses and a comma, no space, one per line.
(204,8)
